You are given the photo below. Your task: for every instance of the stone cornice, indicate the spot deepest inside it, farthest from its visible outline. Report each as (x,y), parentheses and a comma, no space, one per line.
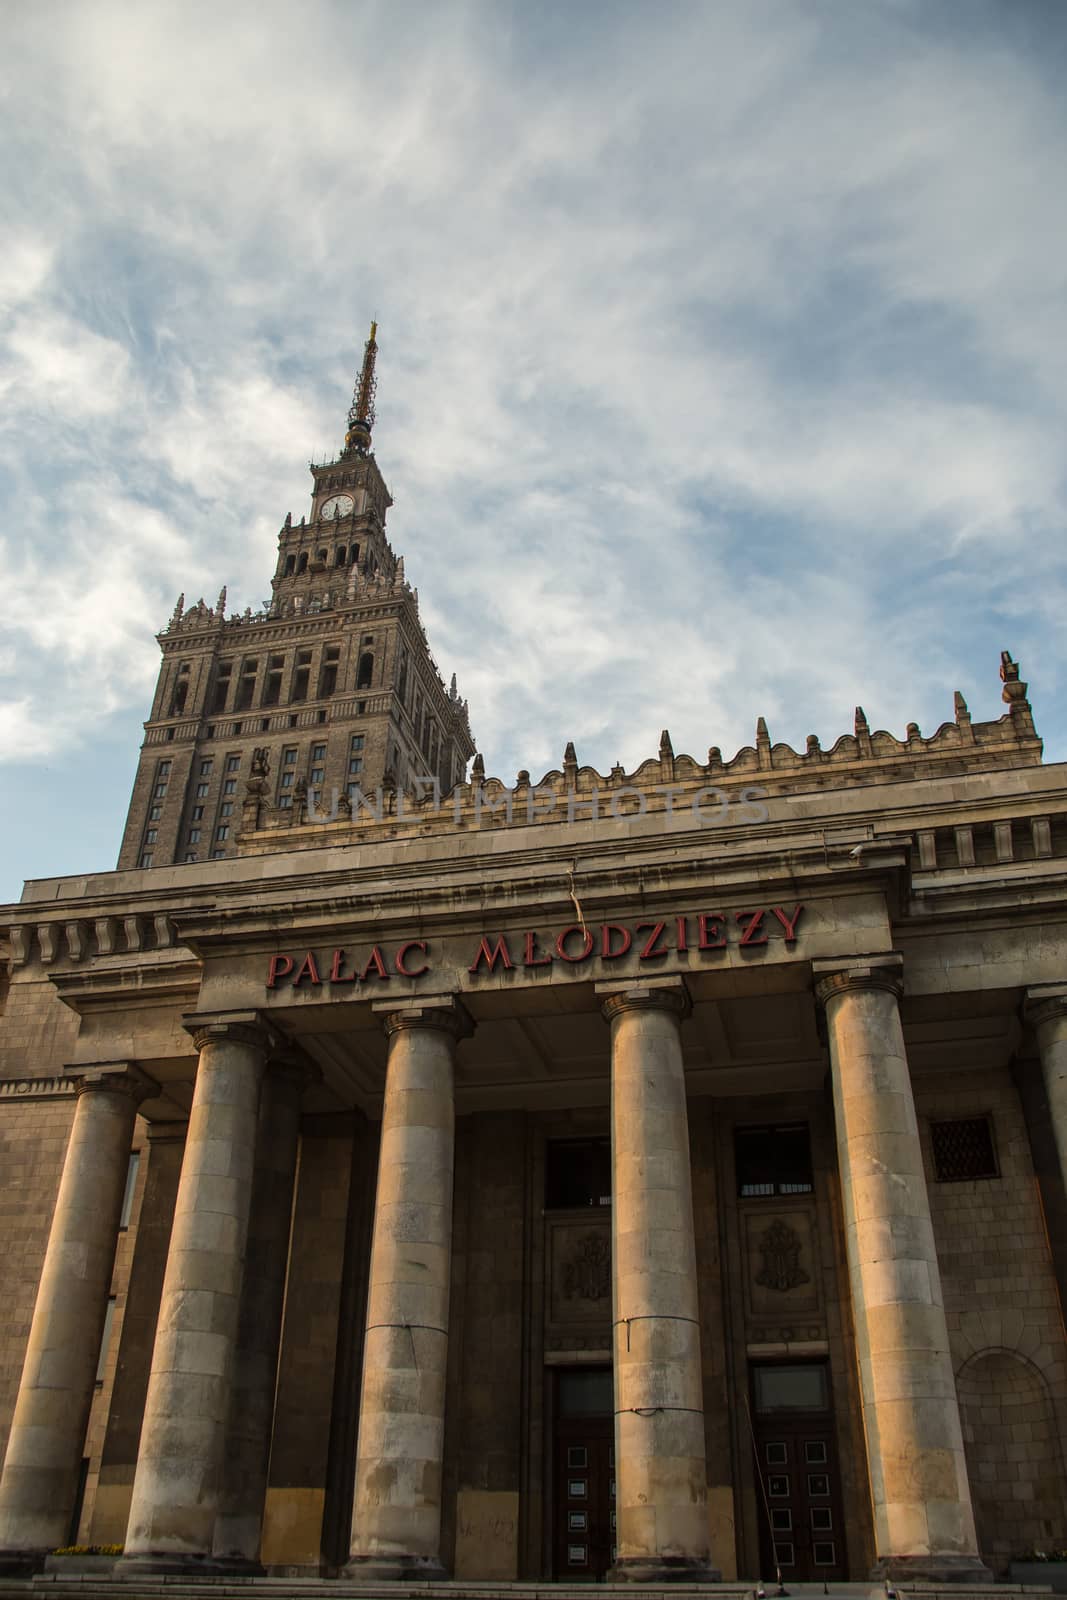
(38,1088)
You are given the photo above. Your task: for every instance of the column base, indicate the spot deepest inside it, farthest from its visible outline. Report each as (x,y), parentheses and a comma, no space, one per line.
(663,1569)
(165,1564)
(395,1569)
(932,1569)
(22,1563)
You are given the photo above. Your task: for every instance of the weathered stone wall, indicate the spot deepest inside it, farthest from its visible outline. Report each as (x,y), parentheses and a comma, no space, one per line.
(489,1430)
(39,1031)
(33,1142)
(1004,1320)
(296,1496)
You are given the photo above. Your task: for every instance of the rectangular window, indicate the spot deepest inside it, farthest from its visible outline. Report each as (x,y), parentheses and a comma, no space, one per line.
(164,769)
(233,763)
(318,752)
(222,831)
(301,676)
(205,769)
(800,1387)
(146,859)
(194,835)
(289,756)
(246,686)
(963,1150)
(105,1342)
(190,855)
(150,836)
(357,741)
(287,780)
(198,812)
(154,813)
(773,1160)
(230,786)
(159,792)
(355,766)
(577,1173)
(218,855)
(222,687)
(131,1185)
(202,790)
(226,809)
(272,689)
(318,774)
(285,800)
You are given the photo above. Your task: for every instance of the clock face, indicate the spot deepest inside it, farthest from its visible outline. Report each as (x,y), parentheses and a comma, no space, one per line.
(338,505)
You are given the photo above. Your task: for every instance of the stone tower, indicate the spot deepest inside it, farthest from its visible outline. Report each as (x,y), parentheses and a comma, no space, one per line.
(332,686)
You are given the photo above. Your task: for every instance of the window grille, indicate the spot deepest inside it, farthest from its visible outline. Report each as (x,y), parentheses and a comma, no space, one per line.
(963,1150)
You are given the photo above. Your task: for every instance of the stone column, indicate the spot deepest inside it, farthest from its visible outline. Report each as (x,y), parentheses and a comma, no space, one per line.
(179,1463)
(44,1453)
(396,1514)
(239,1525)
(1046,1011)
(661,1476)
(923,1521)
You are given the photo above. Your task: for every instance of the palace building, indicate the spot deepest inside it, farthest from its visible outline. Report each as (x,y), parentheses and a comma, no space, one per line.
(644,1175)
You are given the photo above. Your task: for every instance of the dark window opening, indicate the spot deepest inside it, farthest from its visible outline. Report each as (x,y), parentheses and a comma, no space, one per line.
(586,1392)
(366,671)
(323,556)
(340,555)
(771,1160)
(328,680)
(272,690)
(181,691)
(222,687)
(302,563)
(290,566)
(302,676)
(353,555)
(246,686)
(963,1150)
(577,1173)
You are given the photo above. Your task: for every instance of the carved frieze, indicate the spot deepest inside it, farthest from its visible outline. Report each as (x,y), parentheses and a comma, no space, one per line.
(578,1275)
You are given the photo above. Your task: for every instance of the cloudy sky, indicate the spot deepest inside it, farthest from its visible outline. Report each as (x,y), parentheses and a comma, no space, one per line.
(722,359)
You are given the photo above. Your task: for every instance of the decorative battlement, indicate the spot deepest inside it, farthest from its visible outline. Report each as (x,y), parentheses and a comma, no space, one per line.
(665,782)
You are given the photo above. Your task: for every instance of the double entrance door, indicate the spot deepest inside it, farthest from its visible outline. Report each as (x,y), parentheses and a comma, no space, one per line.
(798,1487)
(583,1475)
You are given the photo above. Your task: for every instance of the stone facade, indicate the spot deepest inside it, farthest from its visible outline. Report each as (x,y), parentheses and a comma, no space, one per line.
(654,1173)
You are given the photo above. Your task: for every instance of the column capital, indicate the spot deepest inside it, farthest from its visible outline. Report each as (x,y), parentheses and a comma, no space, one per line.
(230,1027)
(114,1077)
(853,974)
(663,994)
(1043,1002)
(445,1013)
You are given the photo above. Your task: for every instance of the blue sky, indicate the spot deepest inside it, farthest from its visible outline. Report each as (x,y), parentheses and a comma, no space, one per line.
(721,365)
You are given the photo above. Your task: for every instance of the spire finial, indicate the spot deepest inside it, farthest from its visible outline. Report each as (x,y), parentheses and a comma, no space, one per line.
(361,411)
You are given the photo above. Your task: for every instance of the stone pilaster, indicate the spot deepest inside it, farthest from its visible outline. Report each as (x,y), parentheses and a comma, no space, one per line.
(660,1469)
(239,1524)
(1046,1011)
(179,1465)
(396,1517)
(44,1453)
(923,1520)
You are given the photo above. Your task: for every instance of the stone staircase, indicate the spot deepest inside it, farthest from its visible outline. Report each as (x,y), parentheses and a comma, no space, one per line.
(85,1586)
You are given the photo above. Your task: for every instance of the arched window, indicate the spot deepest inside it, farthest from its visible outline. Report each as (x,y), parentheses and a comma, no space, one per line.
(339,556)
(290,566)
(323,556)
(353,554)
(302,564)
(366,671)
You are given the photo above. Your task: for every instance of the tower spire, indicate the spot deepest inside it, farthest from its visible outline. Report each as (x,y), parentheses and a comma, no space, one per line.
(361,411)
